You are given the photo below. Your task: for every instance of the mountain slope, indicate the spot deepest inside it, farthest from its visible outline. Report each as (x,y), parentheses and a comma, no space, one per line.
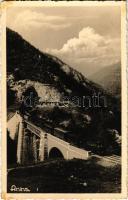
(109,78)
(28,69)
(27,63)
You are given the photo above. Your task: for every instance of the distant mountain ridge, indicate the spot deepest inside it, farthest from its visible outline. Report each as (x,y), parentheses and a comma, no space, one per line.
(109,78)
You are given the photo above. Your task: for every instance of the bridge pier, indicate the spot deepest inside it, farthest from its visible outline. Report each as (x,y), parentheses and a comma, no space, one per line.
(41,148)
(67,152)
(45,146)
(20,141)
(25,147)
(34,148)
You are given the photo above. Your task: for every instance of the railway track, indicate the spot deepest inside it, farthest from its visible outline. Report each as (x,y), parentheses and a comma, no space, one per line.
(113,158)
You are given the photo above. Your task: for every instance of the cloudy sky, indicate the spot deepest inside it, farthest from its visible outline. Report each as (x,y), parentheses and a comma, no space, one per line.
(86,38)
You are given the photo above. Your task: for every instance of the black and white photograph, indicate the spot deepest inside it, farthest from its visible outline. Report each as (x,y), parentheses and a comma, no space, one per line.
(64,98)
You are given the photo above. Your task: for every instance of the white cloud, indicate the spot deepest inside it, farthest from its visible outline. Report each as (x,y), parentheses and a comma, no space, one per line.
(89,49)
(30,19)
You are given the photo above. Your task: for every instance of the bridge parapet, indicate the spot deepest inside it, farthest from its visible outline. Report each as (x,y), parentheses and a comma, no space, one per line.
(75,152)
(34,129)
